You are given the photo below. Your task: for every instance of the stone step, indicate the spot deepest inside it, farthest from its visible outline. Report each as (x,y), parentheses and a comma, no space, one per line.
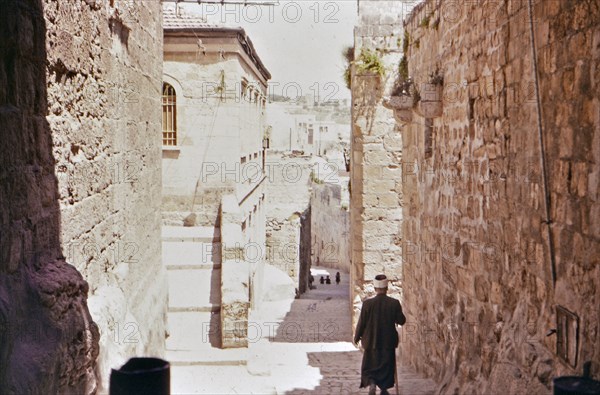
(218,380)
(179,255)
(206,234)
(208,357)
(192,331)
(194,288)
(207,309)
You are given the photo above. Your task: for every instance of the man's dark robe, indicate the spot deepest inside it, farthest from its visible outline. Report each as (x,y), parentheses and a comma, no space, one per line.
(376,329)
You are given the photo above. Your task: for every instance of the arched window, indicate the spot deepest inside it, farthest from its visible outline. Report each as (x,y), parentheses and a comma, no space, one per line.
(169,115)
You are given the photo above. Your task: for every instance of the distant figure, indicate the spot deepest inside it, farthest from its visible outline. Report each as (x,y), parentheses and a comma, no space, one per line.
(322,280)
(311,279)
(328,280)
(337,278)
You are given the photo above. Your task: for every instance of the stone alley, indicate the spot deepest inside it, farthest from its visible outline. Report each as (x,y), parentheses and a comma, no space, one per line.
(181,181)
(306,350)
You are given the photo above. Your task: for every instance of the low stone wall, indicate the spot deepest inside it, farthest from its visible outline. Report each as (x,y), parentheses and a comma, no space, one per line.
(235,277)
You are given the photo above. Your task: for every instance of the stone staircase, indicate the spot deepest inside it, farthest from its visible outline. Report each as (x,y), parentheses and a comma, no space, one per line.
(192,257)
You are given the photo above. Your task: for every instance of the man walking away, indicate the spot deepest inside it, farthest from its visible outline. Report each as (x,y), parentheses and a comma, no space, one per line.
(376,330)
(337,278)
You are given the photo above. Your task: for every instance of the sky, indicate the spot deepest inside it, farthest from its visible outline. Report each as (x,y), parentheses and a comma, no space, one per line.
(300,42)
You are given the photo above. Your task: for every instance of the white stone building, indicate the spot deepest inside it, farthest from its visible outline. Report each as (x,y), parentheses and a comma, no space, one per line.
(214,102)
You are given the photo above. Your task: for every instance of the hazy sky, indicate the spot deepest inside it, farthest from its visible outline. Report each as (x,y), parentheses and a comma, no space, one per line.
(300,42)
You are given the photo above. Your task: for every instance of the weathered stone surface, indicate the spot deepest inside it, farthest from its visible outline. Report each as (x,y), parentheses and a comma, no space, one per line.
(477,205)
(330,227)
(376,147)
(235,277)
(288,199)
(80,118)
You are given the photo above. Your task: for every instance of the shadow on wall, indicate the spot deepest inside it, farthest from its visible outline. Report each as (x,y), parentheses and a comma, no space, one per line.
(48,341)
(214,334)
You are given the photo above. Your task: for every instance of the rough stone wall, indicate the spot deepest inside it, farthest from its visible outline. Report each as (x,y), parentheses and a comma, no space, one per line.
(97,152)
(376,199)
(330,227)
(287,197)
(48,341)
(235,276)
(475,220)
(305,251)
(283,245)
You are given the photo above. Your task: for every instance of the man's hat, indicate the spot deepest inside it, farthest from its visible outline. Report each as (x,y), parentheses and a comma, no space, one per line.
(380,281)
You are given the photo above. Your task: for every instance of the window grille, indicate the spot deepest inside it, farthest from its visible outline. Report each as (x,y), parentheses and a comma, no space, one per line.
(169,115)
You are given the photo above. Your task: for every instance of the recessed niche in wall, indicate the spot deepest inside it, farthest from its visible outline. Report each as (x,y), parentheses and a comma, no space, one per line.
(428,138)
(567,335)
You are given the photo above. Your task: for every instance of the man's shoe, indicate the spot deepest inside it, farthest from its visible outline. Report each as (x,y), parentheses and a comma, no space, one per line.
(372,389)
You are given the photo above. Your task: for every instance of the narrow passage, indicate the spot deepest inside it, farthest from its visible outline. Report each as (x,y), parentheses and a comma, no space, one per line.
(322,315)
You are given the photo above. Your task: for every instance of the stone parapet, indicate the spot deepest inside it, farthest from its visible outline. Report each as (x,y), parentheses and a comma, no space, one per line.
(235,277)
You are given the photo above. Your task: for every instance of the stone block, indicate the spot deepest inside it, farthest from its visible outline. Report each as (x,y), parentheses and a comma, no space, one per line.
(389,200)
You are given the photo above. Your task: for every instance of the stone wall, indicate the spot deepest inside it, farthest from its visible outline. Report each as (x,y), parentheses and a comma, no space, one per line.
(82,102)
(287,197)
(48,341)
(305,251)
(235,276)
(330,227)
(283,245)
(475,198)
(375,183)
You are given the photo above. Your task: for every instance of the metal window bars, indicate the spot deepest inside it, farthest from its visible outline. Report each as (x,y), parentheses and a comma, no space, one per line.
(169,115)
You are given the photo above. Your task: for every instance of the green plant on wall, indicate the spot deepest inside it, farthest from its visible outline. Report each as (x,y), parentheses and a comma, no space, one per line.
(436,77)
(349,56)
(369,62)
(314,178)
(403,68)
(403,82)
(348,77)
(425,21)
